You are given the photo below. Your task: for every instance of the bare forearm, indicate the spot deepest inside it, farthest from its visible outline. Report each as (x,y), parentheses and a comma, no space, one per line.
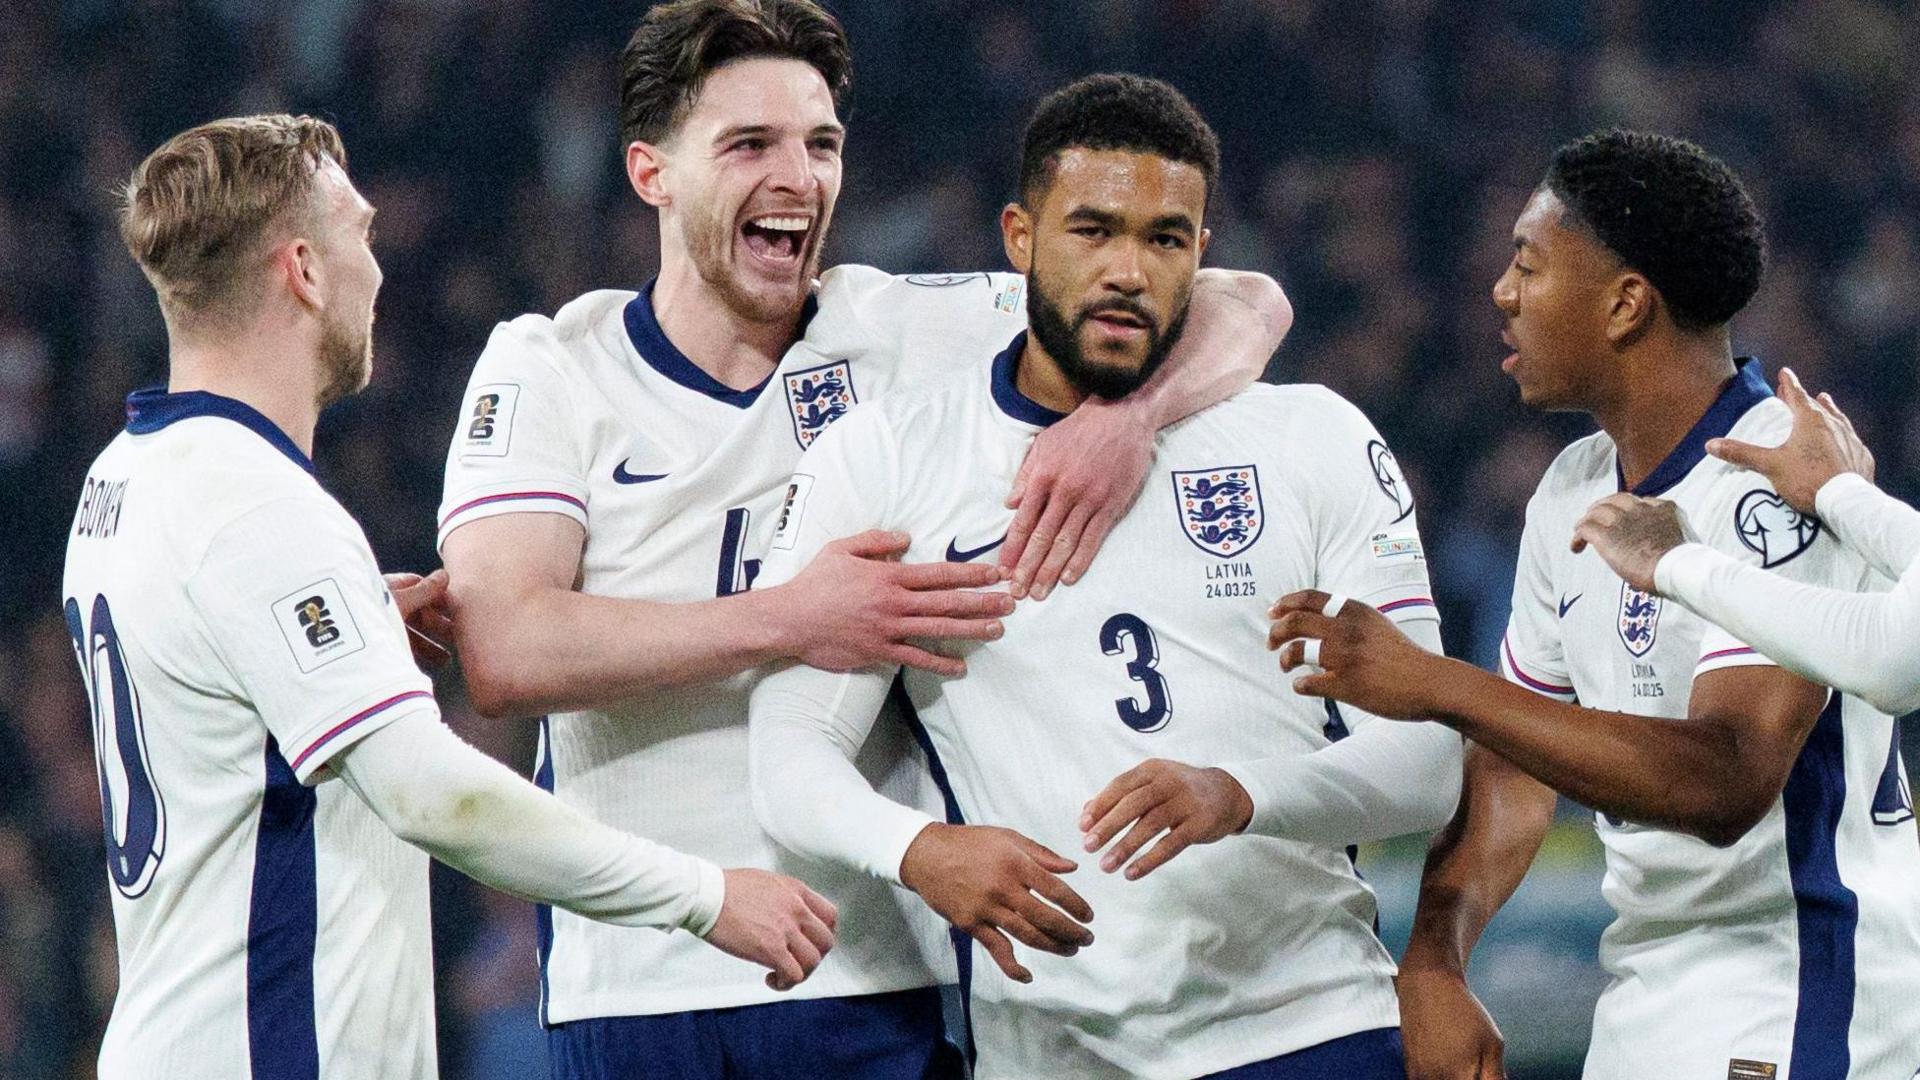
(553,650)
(1478,860)
(1675,773)
(1236,321)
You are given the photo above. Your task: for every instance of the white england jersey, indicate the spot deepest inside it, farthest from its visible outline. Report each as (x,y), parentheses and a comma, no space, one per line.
(235,634)
(595,415)
(1234,952)
(1793,954)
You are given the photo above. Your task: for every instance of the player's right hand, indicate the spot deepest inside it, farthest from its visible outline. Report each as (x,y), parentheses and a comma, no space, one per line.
(994,883)
(1358,656)
(855,606)
(774,921)
(1447,1032)
(1821,446)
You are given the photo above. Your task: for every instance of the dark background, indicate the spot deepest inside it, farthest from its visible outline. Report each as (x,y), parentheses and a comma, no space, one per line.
(1376,153)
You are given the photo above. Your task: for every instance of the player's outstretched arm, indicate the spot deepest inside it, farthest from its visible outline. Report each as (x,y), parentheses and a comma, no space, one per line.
(1083,473)
(1473,866)
(1861,643)
(472,813)
(531,644)
(1713,774)
(1382,780)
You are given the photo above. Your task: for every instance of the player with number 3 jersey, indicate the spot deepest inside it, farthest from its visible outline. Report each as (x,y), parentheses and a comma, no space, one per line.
(1142,696)
(613,482)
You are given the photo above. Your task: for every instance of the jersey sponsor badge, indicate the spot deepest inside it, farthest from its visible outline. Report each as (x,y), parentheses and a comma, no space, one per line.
(1772,529)
(1639,619)
(487,427)
(817,397)
(792,509)
(1387,474)
(317,625)
(1220,508)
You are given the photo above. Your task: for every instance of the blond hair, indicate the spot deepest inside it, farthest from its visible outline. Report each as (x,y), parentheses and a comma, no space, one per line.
(198,211)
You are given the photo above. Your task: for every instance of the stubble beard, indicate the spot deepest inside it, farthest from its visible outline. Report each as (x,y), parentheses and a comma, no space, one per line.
(710,241)
(346,361)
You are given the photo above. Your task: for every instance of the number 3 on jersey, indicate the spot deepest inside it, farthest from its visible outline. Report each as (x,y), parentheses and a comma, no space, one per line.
(135,816)
(1117,636)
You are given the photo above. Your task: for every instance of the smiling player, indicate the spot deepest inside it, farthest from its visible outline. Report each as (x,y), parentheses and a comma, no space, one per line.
(612,485)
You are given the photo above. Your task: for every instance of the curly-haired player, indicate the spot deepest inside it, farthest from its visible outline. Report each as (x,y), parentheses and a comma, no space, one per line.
(1760,848)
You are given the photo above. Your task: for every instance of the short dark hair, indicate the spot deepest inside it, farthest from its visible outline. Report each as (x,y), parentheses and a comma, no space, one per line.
(1115,112)
(677,45)
(1670,211)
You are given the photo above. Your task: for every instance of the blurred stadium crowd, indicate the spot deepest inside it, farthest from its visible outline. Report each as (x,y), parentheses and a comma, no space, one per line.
(1376,152)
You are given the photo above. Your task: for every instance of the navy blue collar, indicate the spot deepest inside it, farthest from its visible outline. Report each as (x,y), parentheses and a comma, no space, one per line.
(1747,388)
(1006,392)
(650,341)
(151,409)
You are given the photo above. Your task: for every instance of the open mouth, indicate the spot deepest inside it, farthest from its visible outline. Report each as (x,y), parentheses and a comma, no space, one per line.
(777,239)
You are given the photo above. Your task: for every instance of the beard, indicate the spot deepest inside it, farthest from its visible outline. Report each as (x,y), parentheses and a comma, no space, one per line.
(1061,340)
(710,239)
(346,361)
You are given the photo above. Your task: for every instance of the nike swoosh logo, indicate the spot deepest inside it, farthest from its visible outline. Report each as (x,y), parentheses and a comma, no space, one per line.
(1566,605)
(622,476)
(954,554)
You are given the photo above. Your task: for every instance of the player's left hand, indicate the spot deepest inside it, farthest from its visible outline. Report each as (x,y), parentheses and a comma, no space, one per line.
(1188,804)
(1362,657)
(1821,446)
(1631,534)
(1079,477)
(429,617)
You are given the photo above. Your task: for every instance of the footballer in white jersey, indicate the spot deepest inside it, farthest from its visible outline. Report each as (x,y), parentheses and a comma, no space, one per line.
(1236,953)
(235,635)
(1826,888)
(595,415)
(239,646)
(1257,954)
(613,481)
(1760,852)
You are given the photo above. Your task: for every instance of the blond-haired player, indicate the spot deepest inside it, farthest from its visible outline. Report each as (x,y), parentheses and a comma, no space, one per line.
(239,647)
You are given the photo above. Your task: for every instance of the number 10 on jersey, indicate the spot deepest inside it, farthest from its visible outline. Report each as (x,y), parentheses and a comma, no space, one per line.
(135,816)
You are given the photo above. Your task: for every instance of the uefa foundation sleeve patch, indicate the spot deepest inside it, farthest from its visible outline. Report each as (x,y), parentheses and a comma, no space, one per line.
(317,625)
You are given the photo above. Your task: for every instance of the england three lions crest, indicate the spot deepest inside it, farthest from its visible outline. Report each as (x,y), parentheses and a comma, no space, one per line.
(1220,508)
(817,397)
(1639,619)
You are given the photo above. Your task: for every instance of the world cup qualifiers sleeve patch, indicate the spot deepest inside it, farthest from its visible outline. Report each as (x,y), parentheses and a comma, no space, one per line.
(1772,529)
(1387,474)
(794,507)
(317,625)
(487,426)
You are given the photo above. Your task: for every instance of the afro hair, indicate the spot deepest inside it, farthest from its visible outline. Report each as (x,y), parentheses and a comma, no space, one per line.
(1670,211)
